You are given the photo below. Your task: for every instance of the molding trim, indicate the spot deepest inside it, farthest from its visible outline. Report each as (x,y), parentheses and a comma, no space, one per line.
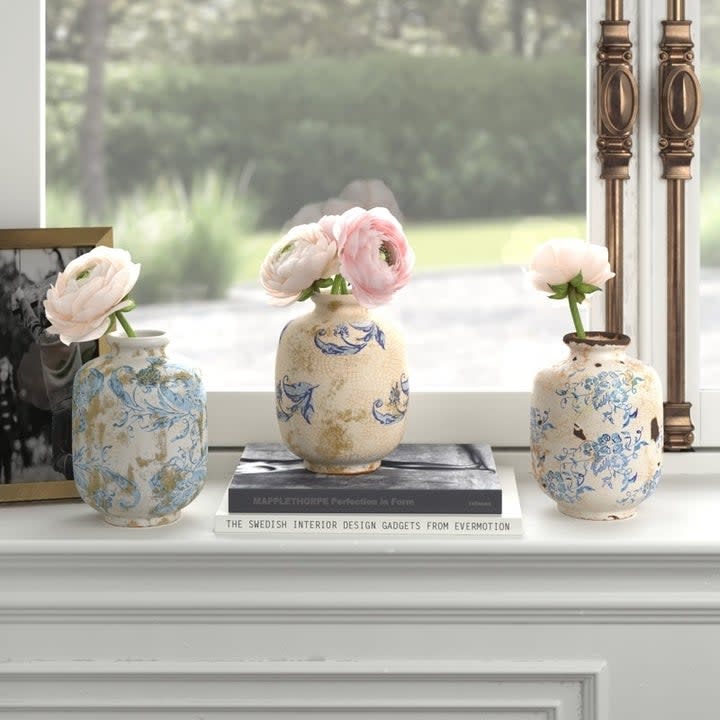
(406,586)
(568,689)
(532,611)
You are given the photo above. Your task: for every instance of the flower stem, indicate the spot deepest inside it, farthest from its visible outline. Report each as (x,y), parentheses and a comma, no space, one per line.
(125,324)
(339,286)
(575,312)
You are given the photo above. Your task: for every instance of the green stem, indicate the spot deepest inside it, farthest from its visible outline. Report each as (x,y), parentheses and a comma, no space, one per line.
(125,324)
(339,286)
(575,312)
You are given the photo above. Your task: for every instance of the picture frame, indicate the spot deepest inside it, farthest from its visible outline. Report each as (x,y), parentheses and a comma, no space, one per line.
(36,369)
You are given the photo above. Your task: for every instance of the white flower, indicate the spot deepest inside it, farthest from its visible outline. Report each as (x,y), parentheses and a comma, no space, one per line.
(86,294)
(558,261)
(305,254)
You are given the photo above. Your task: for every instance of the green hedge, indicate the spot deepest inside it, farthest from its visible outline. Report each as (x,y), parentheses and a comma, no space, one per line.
(192,242)
(467,136)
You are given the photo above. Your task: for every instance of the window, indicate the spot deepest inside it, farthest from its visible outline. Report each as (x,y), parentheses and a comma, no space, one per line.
(220,122)
(709,227)
(497,416)
(710,191)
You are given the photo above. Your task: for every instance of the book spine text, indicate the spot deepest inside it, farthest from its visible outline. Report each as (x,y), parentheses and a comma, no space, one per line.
(322,524)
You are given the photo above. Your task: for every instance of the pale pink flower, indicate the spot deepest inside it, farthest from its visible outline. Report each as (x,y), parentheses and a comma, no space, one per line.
(375,257)
(306,253)
(327,223)
(86,294)
(558,261)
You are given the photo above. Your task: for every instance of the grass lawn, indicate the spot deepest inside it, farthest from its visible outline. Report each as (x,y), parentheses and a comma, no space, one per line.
(466,243)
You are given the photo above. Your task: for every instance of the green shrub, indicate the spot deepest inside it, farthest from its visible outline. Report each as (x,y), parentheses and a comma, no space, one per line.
(443,132)
(191,243)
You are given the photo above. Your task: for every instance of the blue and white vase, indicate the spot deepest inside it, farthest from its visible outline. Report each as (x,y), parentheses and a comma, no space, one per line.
(596,424)
(341,386)
(139,432)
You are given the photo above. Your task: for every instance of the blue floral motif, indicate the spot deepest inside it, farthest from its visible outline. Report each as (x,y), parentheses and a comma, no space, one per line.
(159,398)
(86,387)
(611,457)
(291,398)
(174,487)
(609,391)
(565,485)
(353,338)
(638,494)
(607,459)
(395,406)
(539,424)
(99,484)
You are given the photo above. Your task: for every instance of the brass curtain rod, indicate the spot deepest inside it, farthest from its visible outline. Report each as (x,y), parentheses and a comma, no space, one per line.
(617,103)
(679,111)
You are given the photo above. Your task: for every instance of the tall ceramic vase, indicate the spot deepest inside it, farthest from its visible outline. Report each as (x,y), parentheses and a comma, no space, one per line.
(342,389)
(139,432)
(596,429)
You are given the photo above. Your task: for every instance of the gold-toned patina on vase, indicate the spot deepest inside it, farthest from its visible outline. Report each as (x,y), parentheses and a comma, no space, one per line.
(139,432)
(342,386)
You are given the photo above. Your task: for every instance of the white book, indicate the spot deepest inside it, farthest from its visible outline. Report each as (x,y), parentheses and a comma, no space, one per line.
(509,523)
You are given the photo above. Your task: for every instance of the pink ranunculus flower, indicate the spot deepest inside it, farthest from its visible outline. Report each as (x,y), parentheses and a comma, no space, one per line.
(88,291)
(558,261)
(375,257)
(306,253)
(327,223)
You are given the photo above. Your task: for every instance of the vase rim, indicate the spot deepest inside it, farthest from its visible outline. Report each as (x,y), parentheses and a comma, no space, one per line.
(598,338)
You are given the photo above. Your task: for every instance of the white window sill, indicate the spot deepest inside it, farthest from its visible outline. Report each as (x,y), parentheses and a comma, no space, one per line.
(59,560)
(680,518)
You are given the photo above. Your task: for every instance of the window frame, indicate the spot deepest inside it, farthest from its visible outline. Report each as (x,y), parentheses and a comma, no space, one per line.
(500,418)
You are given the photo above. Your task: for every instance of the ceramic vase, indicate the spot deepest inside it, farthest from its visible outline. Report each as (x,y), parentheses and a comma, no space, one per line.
(596,429)
(139,432)
(342,388)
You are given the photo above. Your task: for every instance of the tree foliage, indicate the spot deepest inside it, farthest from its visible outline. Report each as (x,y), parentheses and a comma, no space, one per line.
(260,31)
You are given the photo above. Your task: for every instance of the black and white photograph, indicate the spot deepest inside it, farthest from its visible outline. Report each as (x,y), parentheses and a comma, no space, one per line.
(36,368)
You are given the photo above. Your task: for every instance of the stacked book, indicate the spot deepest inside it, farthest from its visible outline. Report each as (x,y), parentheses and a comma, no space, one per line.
(428,489)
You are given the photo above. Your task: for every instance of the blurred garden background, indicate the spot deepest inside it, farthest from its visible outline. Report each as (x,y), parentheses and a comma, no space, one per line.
(198,130)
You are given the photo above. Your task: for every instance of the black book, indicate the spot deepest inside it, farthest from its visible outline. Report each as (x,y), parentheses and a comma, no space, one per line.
(427,479)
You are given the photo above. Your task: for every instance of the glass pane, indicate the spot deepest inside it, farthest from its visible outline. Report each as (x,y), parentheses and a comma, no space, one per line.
(710,192)
(199,130)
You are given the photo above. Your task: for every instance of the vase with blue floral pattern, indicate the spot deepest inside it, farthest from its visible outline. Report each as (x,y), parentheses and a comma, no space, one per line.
(139,432)
(341,386)
(596,429)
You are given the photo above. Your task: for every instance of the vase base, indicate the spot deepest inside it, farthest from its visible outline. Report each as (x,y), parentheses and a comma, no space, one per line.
(323,469)
(581,514)
(142,522)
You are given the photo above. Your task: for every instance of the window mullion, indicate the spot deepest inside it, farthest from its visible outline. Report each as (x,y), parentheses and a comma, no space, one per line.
(22,120)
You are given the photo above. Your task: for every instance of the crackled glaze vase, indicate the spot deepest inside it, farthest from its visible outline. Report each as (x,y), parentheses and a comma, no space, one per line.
(596,429)
(139,432)
(341,386)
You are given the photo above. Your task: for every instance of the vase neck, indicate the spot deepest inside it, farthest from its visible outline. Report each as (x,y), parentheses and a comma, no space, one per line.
(598,346)
(147,342)
(345,306)
(596,353)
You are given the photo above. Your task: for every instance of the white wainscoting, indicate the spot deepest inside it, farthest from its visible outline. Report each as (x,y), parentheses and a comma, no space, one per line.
(490,691)
(609,621)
